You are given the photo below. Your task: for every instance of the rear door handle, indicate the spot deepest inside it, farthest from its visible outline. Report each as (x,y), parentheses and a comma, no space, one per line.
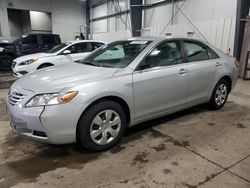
(218,64)
(183,71)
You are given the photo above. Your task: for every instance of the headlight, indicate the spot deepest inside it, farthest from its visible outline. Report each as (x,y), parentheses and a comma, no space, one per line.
(51,99)
(27,62)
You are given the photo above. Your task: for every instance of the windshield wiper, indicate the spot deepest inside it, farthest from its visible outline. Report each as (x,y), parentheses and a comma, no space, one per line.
(89,63)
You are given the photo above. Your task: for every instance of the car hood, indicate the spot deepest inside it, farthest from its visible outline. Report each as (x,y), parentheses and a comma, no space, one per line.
(31,56)
(57,78)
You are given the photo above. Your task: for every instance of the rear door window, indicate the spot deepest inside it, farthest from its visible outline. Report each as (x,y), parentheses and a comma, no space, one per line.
(30,40)
(211,53)
(96,45)
(48,39)
(79,48)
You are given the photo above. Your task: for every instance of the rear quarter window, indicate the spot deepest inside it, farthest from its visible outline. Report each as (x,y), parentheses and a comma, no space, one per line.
(212,54)
(197,51)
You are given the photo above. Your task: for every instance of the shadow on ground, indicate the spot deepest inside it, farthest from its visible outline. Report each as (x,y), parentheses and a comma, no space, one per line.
(72,156)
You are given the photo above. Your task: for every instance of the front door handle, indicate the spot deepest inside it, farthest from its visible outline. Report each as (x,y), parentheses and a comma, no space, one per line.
(218,64)
(182,71)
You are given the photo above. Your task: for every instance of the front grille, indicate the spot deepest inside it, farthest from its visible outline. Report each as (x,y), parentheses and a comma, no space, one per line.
(15,98)
(22,72)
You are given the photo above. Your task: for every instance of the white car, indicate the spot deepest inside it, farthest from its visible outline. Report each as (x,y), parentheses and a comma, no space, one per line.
(59,55)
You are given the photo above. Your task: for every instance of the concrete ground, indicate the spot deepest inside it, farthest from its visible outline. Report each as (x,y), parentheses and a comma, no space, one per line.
(192,148)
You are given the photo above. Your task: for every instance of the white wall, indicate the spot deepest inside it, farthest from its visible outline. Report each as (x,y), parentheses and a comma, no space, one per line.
(196,10)
(115,23)
(99,11)
(112,36)
(214,19)
(112,28)
(40,21)
(67,15)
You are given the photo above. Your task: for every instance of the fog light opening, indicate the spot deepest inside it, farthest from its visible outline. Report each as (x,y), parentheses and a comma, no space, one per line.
(39,133)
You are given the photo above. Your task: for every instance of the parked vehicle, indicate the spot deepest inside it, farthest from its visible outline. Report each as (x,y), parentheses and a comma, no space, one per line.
(27,44)
(59,55)
(95,100)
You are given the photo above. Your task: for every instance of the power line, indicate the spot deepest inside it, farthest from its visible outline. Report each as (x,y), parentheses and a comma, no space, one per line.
(163,30)
(119,14)
(191,23)
(179,10)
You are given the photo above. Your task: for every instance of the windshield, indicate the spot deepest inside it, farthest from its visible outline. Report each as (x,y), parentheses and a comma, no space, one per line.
(116,55)
(57,48)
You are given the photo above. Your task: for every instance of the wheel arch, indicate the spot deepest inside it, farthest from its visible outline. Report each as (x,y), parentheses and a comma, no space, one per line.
(228,79)
(42,64)
(117,99)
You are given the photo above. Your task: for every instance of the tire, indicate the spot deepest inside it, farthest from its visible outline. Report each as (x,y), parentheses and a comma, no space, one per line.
(95,133)
(6,62)
(220,95)
(44,65)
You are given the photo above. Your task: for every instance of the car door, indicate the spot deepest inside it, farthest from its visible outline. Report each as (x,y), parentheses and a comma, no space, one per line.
(29,45)
(160,83)
(203,68)
(62,58)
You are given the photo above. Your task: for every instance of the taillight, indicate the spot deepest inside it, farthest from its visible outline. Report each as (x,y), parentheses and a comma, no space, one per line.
(237,63)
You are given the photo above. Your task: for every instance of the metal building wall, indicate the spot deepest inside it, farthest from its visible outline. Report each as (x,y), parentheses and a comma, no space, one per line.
(215,19)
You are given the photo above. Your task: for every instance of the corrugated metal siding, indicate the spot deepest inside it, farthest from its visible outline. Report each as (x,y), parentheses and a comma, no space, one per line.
(218,32)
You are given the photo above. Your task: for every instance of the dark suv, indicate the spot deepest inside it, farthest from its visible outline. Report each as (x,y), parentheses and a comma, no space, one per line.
(28,44)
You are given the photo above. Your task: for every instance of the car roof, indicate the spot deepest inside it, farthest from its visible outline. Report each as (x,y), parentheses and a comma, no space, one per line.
(159,38)
(42,34)
(78,41)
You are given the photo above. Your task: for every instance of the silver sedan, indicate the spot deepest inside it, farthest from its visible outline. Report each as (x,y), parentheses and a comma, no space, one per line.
(119,85)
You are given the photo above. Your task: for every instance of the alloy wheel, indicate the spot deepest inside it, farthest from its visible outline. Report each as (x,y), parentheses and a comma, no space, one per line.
(221,94)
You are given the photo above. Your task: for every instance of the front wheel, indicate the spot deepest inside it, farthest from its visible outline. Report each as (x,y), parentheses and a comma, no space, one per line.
(220,95)
(102,126)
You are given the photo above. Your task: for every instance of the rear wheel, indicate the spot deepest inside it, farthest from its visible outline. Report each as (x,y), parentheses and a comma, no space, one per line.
(102,126)
(6,62)
(220,95)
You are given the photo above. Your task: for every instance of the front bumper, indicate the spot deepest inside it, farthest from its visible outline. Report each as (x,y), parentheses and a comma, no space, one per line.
(51,124)
(24,121)
(18,71)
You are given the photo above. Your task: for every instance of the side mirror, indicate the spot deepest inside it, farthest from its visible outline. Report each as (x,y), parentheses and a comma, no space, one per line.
(66,52)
